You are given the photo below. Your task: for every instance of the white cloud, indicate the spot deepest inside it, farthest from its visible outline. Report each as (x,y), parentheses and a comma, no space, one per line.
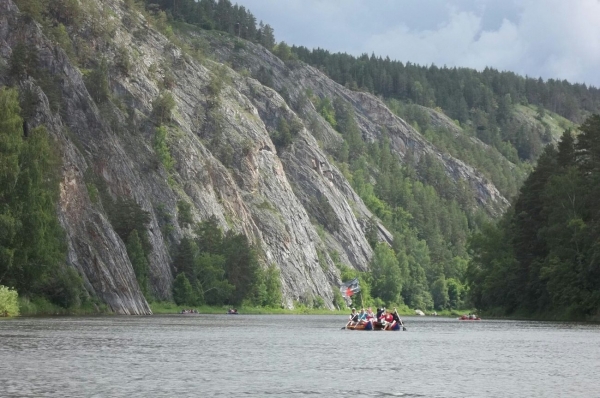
(549,38)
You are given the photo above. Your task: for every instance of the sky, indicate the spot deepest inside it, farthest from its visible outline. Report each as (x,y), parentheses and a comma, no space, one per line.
(558,39)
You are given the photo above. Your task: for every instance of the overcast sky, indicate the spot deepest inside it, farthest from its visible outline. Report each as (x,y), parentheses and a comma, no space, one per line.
(557,39)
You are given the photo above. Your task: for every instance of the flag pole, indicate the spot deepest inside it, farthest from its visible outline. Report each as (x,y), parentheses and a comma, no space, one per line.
(362,299)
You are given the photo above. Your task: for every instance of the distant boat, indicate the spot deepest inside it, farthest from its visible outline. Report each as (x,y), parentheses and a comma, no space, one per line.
(469,318)
(419,312)
(232,312)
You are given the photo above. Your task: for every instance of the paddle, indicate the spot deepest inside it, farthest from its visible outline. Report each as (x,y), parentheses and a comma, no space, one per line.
(349,322)
(401,323)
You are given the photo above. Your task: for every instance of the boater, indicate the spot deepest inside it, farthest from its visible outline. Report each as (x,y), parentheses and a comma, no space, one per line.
(362,317)
(353,318)
(389,321)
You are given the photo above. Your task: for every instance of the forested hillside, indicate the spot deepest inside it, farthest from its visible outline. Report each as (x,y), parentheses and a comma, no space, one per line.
(202,162)
(543,255)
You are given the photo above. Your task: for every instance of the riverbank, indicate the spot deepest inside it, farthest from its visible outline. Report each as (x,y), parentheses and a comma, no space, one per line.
(172,308)
(42,307)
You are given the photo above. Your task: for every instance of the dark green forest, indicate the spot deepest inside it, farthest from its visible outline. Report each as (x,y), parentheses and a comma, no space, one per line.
(543,256)
(32,244)
(215,269)
(219,15)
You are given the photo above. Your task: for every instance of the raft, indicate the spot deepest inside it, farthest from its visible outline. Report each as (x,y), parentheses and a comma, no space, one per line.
(466,318)
(374,326)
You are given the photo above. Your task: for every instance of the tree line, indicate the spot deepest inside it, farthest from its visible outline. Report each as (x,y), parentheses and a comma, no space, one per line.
(216,268)
(482,103)
(32,242)
(219,15)
(543,256)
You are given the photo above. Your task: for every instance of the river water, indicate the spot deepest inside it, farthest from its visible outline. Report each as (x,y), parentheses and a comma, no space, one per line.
(294,356)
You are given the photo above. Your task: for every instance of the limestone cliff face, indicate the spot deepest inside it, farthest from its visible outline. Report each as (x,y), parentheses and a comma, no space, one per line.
(226,165)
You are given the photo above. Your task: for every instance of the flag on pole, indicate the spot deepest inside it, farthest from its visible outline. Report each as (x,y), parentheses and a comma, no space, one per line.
(350,288)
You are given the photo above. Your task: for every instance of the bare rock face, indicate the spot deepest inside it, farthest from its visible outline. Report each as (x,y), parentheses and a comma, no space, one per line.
(295,205)
(295,78)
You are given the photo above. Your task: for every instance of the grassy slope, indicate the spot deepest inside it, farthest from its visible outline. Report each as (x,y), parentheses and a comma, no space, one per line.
(557,123)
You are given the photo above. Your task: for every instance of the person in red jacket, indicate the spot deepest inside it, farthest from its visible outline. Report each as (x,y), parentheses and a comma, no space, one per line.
(389,321)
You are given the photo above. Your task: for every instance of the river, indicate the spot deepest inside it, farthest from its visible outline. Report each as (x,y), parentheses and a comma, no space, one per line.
(294,356)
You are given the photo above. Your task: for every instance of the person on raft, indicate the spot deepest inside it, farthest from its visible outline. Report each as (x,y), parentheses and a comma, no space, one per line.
(353,318)
(370,315)
(397,318)
(388,320)
(362,317)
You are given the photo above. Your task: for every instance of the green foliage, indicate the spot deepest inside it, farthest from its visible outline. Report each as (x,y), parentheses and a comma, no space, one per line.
(211,14)
(161,148)
(503,168)
(439,291)
(285,133)
(345,123)
(138,260)
(540,257)
(224,269)
(338,299)
(387,275)
(162,107)
(325,108)
(123,61)
(371,232)
(241,266)
(68,12)
(325,212)
(126,215)
(184,213)
(486,97)
(268,288)
(183,294)
(23,61)
(32,244)
(264,76)
(215,86)
(283,52)
(96,82)
(64,288)
(430,218)
(9,305)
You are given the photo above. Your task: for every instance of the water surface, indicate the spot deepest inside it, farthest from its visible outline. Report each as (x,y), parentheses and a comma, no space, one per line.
(294,356)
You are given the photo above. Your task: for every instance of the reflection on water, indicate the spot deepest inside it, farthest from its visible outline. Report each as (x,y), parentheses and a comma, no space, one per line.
(289,356)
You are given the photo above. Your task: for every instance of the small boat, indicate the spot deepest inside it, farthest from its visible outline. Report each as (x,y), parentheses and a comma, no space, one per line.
(374,326)
(232,312)
(469,318)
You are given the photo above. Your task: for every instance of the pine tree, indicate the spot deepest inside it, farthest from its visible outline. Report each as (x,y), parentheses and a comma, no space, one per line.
(138,260)
(183,293)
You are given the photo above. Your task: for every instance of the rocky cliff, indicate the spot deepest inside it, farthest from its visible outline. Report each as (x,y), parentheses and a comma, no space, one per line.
(225,163)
